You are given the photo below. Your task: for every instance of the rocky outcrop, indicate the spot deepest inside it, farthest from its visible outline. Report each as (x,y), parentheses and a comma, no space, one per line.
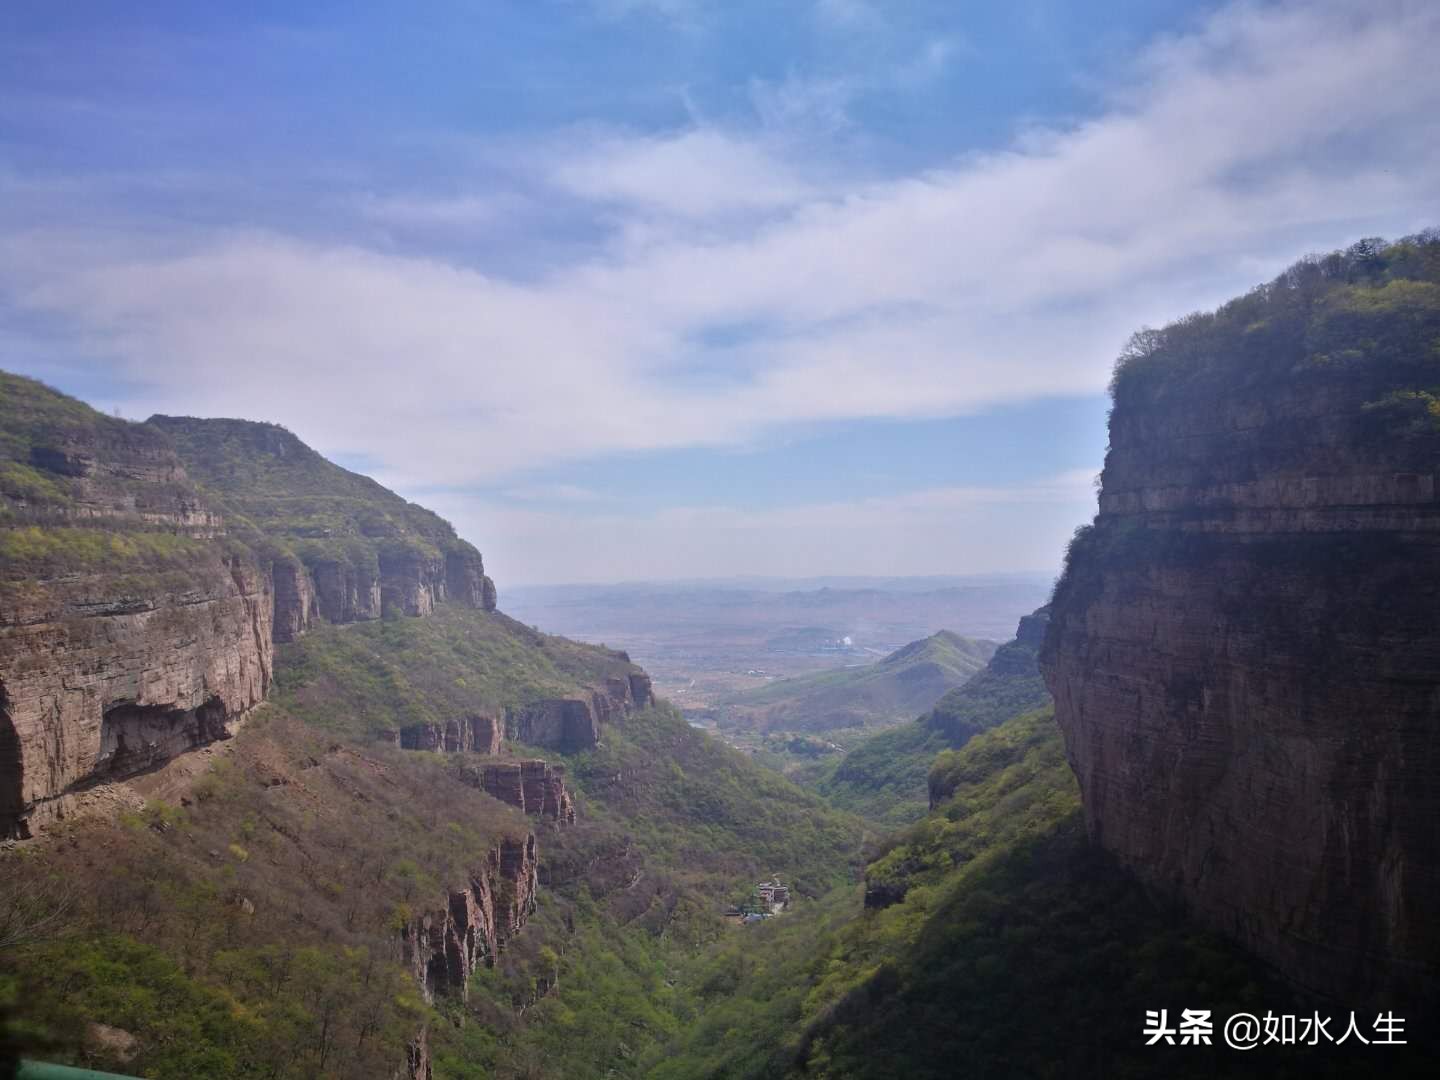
(101,679)
(85,468)
(1244,650)
(367,552)
(442,948)
(345,592)
(417,1057)
(533,787)
(411,583)
(571,724)
(295,601)
(479,733)
(642,693)
(564,724)
(465,577)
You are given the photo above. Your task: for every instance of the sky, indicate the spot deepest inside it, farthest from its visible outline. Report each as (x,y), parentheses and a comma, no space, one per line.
(638,289)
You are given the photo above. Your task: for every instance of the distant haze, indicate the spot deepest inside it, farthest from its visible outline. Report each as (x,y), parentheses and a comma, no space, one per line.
(704,639)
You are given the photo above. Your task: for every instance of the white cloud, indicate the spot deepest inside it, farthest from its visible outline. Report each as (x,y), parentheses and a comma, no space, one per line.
(740,294)
(561,493)
(942,530)
(696,173)
(456,212)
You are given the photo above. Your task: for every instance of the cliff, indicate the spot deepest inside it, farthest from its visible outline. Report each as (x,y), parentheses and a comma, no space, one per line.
(1244,650)
(443,947)
(129,632)
(139,609)
(357,550)
(533,787)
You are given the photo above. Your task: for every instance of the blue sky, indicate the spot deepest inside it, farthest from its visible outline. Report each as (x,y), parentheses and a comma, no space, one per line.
(677,288)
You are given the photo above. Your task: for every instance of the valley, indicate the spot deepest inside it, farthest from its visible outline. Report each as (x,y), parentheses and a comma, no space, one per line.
(290,787)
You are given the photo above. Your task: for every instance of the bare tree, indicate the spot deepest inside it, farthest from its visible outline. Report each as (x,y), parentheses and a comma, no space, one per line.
(31,908)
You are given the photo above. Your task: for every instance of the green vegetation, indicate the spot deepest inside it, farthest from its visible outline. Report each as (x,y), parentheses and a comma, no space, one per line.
(711,814)
(1008,947)
(376,677)
(49,444)
(883,778)
(1370,313)
(271,482)
(31,551)
(889,691)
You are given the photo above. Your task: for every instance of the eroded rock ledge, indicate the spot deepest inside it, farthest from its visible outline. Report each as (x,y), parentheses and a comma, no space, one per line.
(443,947)
(533,787)
(96,686)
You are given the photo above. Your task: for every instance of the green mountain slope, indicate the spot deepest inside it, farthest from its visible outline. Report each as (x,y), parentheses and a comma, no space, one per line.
(908,680)
(883,778)
(992,940)
(291,492)
(246,919)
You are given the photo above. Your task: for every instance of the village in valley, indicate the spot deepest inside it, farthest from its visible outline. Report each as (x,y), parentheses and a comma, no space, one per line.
(767,899)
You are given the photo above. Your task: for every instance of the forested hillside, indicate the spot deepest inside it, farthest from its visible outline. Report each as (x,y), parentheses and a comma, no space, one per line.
(910,679)
(332,876)
(883,777)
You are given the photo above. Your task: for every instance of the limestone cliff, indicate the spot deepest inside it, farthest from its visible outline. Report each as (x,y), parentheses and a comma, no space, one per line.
(364,552)
(443,947)
(128,631)
(138,609)
(479,733)
(1244,649)
(534,787)
(574,723)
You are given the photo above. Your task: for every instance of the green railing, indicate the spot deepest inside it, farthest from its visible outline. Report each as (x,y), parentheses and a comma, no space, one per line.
(39,1070)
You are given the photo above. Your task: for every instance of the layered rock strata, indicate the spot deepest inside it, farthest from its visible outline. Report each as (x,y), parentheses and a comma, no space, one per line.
(480,733)
(99,685)
(443,947)
(133,627)
(1244,654)
(533,787)
(575,723)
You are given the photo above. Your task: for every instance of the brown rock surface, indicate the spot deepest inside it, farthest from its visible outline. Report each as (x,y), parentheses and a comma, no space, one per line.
(566,724)
(443,947)
(296,605)
(99,682)
(1245,658)
(534,787)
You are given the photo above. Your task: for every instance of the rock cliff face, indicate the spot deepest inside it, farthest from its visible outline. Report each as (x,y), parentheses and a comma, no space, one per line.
(574,723)
(479,733)
(443,947)
(99,681)
(136,624)
(366,552)
(533,787)
(296,605)
(1244,650)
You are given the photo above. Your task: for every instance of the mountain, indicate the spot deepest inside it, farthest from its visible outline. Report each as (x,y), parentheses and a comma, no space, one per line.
(911,678)
(1244,650)
(884,777)
(362,549)
(704,641)
(992,907)
(291,799)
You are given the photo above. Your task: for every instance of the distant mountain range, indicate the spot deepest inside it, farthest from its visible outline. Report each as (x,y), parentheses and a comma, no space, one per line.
(879,694)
